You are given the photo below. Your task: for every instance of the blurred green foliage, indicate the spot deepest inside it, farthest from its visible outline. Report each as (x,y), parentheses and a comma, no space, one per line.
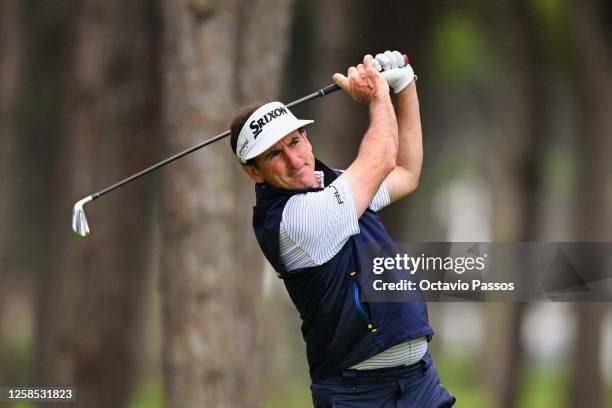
(459,52)
(149,394)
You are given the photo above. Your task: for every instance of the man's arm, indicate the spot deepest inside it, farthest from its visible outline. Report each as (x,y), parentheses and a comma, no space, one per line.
(404,179)
(378,149)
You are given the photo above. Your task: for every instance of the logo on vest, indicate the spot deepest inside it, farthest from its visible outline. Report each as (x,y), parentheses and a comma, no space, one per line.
(257,124)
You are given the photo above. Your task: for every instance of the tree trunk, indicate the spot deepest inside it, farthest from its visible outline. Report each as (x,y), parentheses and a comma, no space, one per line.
(339,127)
(47,58)
(217,55)
(91,292)
(523,97)
(591,86)
(11,191)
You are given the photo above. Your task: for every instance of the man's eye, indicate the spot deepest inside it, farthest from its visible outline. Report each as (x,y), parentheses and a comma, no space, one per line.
(294,142)
(272,155)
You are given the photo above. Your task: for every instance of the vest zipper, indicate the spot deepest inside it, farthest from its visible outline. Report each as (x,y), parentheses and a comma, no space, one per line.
(361,309)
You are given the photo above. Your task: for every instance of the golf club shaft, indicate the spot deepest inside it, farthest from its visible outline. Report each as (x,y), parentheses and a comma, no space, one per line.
(321,92)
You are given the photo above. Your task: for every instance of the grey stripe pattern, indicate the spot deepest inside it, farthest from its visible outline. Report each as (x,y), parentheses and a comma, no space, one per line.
(406,353)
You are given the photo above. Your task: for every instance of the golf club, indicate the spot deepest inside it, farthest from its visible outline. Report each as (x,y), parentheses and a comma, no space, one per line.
(79,221)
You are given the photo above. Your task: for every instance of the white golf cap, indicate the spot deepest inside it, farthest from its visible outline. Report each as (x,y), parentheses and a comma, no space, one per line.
(266,126)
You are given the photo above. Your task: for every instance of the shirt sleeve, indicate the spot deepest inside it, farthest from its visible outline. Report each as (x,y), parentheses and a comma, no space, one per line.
(381,199)
(316,225)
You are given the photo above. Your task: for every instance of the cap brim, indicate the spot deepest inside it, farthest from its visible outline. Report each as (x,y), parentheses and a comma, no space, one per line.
(278,135)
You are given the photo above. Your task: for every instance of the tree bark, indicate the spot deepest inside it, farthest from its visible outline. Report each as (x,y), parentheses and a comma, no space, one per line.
(217,55)
(91,290)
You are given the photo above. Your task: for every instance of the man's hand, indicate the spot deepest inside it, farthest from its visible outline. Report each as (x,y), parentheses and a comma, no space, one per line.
(363,83)
(394,69)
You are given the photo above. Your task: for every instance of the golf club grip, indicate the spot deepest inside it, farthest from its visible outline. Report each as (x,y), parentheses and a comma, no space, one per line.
(329,89)
(335,87)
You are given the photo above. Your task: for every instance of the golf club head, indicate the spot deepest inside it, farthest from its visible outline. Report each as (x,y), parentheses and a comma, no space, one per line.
(79,221)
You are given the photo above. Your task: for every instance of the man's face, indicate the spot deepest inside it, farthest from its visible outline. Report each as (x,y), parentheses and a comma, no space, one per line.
(288,164)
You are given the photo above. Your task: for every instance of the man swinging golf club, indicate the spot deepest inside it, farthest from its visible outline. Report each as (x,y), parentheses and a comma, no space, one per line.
(312,224)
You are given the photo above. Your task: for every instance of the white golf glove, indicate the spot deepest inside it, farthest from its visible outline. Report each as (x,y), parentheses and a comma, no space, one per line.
(394,69)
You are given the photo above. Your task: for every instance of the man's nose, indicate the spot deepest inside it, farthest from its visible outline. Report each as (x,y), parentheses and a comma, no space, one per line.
(292,158)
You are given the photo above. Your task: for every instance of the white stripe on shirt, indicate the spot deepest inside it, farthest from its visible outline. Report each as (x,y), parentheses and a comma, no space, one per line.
(406,353)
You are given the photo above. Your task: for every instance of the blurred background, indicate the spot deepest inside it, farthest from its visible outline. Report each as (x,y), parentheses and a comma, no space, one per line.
(170,303)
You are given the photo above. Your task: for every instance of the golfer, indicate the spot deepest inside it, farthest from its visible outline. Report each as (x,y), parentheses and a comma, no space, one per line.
(313,223)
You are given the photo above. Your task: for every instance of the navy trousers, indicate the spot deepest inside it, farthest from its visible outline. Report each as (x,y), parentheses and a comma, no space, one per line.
(415,386)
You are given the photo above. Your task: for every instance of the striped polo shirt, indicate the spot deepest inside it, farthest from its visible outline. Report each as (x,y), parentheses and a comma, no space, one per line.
(313,230)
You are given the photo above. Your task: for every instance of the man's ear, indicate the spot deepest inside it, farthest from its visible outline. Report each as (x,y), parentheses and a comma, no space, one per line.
(253,172)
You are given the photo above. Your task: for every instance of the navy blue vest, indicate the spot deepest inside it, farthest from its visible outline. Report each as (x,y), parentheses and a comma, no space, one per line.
(340,329)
